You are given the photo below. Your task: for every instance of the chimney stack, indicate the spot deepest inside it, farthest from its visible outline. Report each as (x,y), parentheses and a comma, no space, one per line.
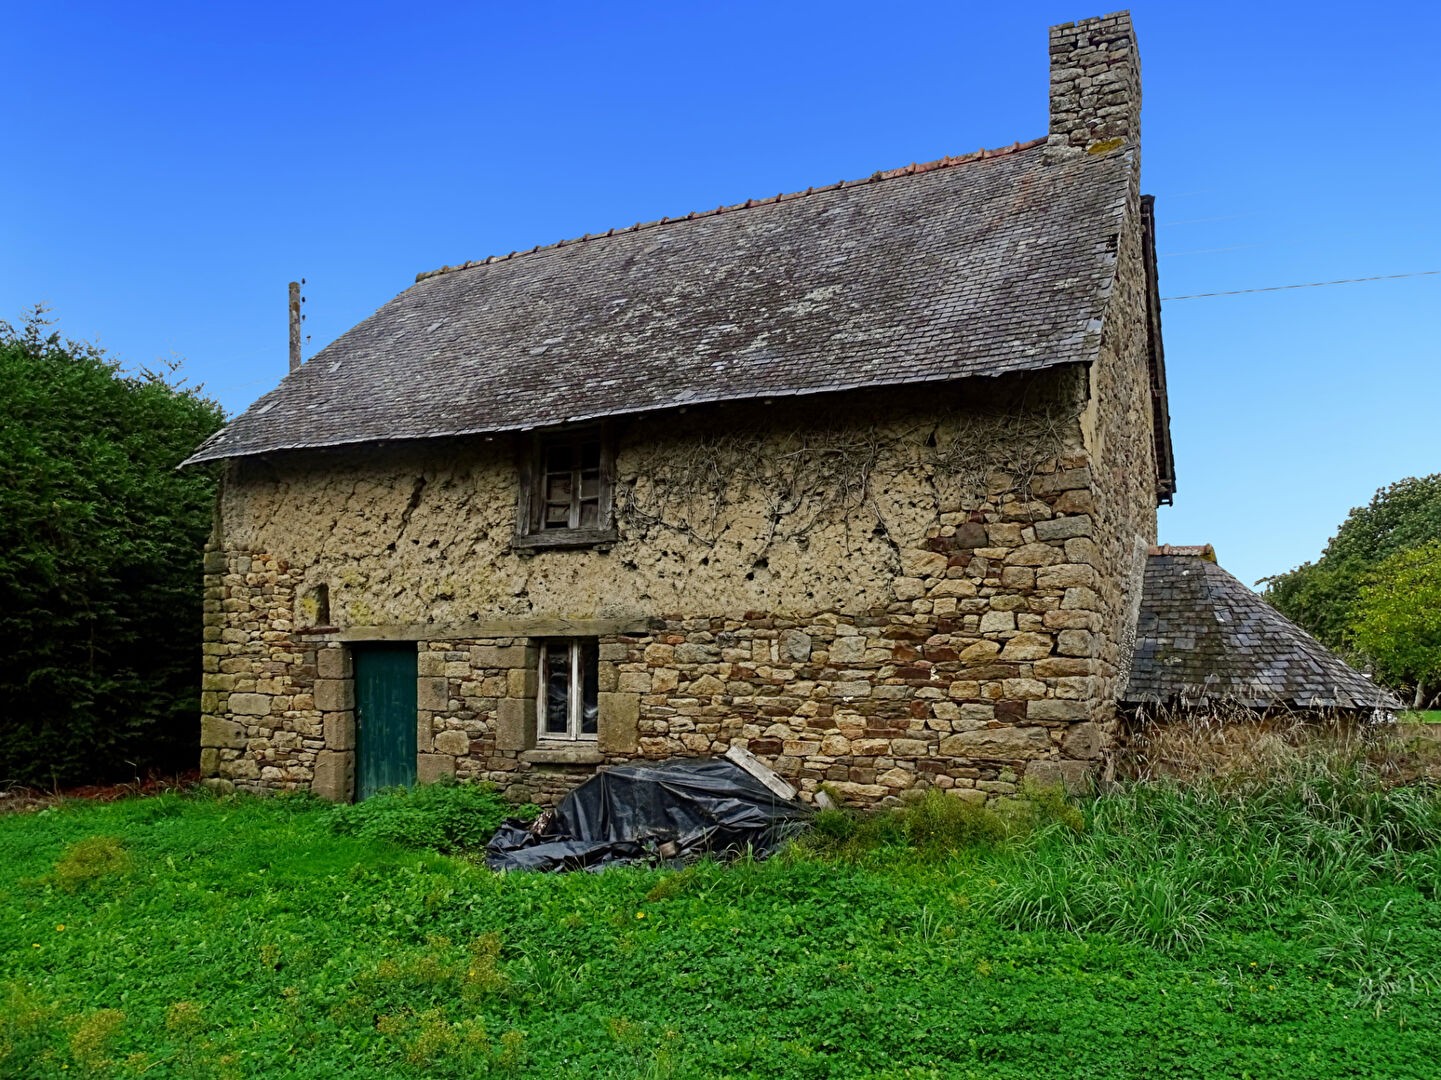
(1095,84)
(294,325)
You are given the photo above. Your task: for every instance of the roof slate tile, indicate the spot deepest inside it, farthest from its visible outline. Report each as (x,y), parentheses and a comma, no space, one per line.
(1202,637)
(999,264)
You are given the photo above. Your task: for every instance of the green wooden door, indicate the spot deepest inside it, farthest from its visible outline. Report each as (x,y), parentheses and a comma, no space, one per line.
(384,717)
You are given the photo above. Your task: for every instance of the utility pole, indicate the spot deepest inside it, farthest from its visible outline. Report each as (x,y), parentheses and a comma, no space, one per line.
(294,325)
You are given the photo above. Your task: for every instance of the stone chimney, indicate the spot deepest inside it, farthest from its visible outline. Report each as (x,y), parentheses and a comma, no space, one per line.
(1095,84)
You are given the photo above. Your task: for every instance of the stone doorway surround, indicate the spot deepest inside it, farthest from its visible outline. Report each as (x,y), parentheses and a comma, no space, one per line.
(476,689)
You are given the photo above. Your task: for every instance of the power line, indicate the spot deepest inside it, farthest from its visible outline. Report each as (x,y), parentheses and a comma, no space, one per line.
(1307,285)
(1206,251)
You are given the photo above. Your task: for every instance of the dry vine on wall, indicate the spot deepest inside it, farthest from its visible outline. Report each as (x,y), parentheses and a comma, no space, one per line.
(972,457)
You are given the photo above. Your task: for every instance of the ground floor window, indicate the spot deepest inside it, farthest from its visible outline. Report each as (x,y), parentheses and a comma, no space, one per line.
(568,696)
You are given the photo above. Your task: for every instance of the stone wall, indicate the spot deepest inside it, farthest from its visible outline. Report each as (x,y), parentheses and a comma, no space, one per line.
(948,625)
(1095,103)
(1095,83)
(797,506)
(261,727)
(1122,450)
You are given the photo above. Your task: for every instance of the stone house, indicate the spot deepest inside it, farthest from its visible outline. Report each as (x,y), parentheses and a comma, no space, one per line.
(861,478)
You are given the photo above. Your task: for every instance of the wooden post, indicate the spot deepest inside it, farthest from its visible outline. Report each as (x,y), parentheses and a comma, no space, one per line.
(294,325)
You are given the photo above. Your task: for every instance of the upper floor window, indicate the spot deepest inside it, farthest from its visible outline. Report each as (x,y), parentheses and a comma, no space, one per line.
(565,497)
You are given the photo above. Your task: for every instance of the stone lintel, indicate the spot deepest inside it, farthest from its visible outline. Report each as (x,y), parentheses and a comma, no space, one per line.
(527,626)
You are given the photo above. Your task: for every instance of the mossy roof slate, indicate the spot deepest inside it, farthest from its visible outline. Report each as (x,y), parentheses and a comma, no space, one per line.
(996,264)
(1202,636)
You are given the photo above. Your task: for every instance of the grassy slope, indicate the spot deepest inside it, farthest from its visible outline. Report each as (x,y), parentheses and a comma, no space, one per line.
(240,937)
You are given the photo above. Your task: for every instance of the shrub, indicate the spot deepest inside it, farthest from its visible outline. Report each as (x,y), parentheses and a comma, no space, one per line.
(446,816)
(834,826)
(100,550)
(939,824)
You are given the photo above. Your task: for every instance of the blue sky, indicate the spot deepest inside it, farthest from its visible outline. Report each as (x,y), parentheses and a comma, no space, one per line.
(170,168)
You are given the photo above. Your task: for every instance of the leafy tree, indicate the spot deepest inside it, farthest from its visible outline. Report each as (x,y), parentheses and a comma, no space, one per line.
(1320,596)
(1397,619)
(100,547)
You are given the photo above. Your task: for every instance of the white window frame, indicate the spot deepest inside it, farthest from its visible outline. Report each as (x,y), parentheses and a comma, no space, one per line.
(575,699)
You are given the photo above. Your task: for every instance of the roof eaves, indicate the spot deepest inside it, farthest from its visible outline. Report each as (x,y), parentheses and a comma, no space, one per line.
(215,442)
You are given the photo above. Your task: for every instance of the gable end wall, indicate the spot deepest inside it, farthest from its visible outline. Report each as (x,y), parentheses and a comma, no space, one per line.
(1119,429)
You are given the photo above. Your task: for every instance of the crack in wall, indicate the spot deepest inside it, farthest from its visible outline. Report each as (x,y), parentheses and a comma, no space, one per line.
(416,491)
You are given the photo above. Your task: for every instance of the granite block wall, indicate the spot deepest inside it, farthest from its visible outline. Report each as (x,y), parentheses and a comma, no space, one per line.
(972,646)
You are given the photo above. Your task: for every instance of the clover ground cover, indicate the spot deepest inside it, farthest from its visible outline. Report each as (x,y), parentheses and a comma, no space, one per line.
(187,936)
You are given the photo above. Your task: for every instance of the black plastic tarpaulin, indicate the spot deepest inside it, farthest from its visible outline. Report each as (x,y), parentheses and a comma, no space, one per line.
(649,813)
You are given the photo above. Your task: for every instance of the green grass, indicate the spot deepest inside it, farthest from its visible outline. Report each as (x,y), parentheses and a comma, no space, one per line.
(1289,929)
(445,816)
(1427,716)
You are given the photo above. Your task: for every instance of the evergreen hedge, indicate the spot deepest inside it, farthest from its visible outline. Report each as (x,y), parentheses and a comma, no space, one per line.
(100,562)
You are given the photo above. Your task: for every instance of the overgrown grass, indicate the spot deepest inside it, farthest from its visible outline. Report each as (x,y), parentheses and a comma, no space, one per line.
(937,826)
(1172,868)
(446,816)
(1271,926)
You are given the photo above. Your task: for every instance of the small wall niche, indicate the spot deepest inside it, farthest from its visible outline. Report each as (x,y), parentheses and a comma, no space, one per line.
(313,606)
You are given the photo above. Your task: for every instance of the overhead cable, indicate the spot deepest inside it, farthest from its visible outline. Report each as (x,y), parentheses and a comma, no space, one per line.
(1307,285)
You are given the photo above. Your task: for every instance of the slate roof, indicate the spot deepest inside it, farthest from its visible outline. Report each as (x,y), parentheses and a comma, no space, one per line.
(1203,636)
(994,263)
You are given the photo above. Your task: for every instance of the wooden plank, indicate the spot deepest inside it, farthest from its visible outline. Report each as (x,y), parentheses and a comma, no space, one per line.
(739,755)
(527,462)
(565,538)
